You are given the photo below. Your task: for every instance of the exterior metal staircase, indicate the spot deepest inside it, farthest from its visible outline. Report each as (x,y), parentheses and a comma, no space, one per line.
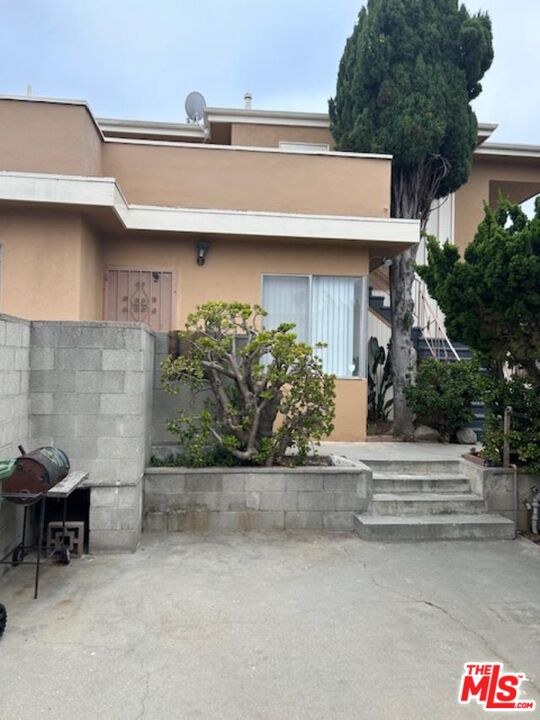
(430,338)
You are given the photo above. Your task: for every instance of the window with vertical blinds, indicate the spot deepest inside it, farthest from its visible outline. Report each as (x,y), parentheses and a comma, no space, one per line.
(331,310)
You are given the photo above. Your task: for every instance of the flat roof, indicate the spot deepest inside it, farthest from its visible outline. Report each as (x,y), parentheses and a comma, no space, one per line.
(158,130)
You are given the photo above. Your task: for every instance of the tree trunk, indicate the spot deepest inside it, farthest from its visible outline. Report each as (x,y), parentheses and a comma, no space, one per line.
(402,349)
(412,193)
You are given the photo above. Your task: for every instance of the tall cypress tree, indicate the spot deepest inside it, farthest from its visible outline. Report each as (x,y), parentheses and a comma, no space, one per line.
(406,79)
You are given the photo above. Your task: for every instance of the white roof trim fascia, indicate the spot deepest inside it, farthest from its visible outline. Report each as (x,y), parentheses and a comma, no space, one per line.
(281,117)
(245,148)
(508,150)
(105,192)
(157,129)
(486,130)
(266,117)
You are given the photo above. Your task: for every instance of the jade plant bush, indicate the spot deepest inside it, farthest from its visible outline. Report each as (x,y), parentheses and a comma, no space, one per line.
(265,392)
(443,394)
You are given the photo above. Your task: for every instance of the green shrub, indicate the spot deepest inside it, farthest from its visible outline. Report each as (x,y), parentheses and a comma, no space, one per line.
(252,376)
(524,399)
(443,394)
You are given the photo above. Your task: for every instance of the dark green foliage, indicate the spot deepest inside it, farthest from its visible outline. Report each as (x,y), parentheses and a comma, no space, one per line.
(524,399)
(212,456)
(443,394)
(252,377)
(379,382)
(491,299)
(216,457)
(405,82)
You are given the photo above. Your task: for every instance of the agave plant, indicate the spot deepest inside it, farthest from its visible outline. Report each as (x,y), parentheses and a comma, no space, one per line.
(379,382)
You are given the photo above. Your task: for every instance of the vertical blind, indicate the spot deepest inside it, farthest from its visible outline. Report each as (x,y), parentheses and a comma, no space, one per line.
(325,309)
(286,300)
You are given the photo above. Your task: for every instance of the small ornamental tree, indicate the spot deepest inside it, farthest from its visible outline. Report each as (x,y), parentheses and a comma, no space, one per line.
(406,79)
(252,377)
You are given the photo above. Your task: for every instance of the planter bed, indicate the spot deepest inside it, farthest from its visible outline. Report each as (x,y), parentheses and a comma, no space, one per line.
(239,499)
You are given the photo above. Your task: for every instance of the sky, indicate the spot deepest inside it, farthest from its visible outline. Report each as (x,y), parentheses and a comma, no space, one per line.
(138,59)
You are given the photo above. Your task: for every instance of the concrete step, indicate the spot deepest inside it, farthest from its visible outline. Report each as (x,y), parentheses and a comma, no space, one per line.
(399,482)
(426,503)
(387,528)
(415,467)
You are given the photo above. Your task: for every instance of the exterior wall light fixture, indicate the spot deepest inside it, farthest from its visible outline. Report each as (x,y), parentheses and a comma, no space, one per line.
(202,248)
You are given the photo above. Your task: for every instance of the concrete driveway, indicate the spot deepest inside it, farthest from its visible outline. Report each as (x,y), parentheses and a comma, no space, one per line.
(269,627)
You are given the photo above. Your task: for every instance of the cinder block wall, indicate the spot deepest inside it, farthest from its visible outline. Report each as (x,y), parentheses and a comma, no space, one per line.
(91,394)
(14,381)
(165,406)
(238,499)
(497,486)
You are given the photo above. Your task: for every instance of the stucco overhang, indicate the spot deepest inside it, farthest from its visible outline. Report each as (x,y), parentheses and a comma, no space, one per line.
(501,151)
(99,194)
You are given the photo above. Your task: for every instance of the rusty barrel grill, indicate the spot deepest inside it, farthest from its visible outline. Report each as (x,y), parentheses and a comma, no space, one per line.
(35,474)
(26,481)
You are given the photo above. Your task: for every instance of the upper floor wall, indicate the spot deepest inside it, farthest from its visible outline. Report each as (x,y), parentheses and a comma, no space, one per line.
(257,179)
(236,163)
(498,171)
(64,138)
(247,134)
(49,137)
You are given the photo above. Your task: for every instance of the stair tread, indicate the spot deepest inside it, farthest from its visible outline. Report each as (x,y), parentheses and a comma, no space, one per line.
(450,477)
(449,519)
(424,496)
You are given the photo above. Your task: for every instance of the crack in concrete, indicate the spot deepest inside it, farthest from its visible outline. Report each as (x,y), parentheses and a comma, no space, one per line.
(144,698)
(472,631)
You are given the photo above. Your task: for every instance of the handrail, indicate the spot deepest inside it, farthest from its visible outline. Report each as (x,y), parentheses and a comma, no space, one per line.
(430,320)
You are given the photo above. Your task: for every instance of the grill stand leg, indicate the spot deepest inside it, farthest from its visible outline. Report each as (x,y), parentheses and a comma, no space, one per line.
(23,541)
(39,541)
(65,554)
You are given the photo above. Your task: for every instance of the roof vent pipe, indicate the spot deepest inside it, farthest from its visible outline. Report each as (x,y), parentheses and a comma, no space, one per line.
(248,97)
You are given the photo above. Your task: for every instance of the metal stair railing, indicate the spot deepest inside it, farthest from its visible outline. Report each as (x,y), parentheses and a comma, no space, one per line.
(430,320)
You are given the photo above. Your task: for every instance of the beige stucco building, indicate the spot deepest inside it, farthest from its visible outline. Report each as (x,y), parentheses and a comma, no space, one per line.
(106,219)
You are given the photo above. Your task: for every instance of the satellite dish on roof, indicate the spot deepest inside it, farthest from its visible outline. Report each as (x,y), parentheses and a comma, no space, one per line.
(195,106)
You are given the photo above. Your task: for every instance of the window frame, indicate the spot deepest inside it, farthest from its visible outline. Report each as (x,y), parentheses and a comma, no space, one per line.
(362,329)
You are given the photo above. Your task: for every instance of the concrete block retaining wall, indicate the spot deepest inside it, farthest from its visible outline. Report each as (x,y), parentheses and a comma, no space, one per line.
(238,499)
(497,487)
(91,388)
(14,399)
(166,406)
